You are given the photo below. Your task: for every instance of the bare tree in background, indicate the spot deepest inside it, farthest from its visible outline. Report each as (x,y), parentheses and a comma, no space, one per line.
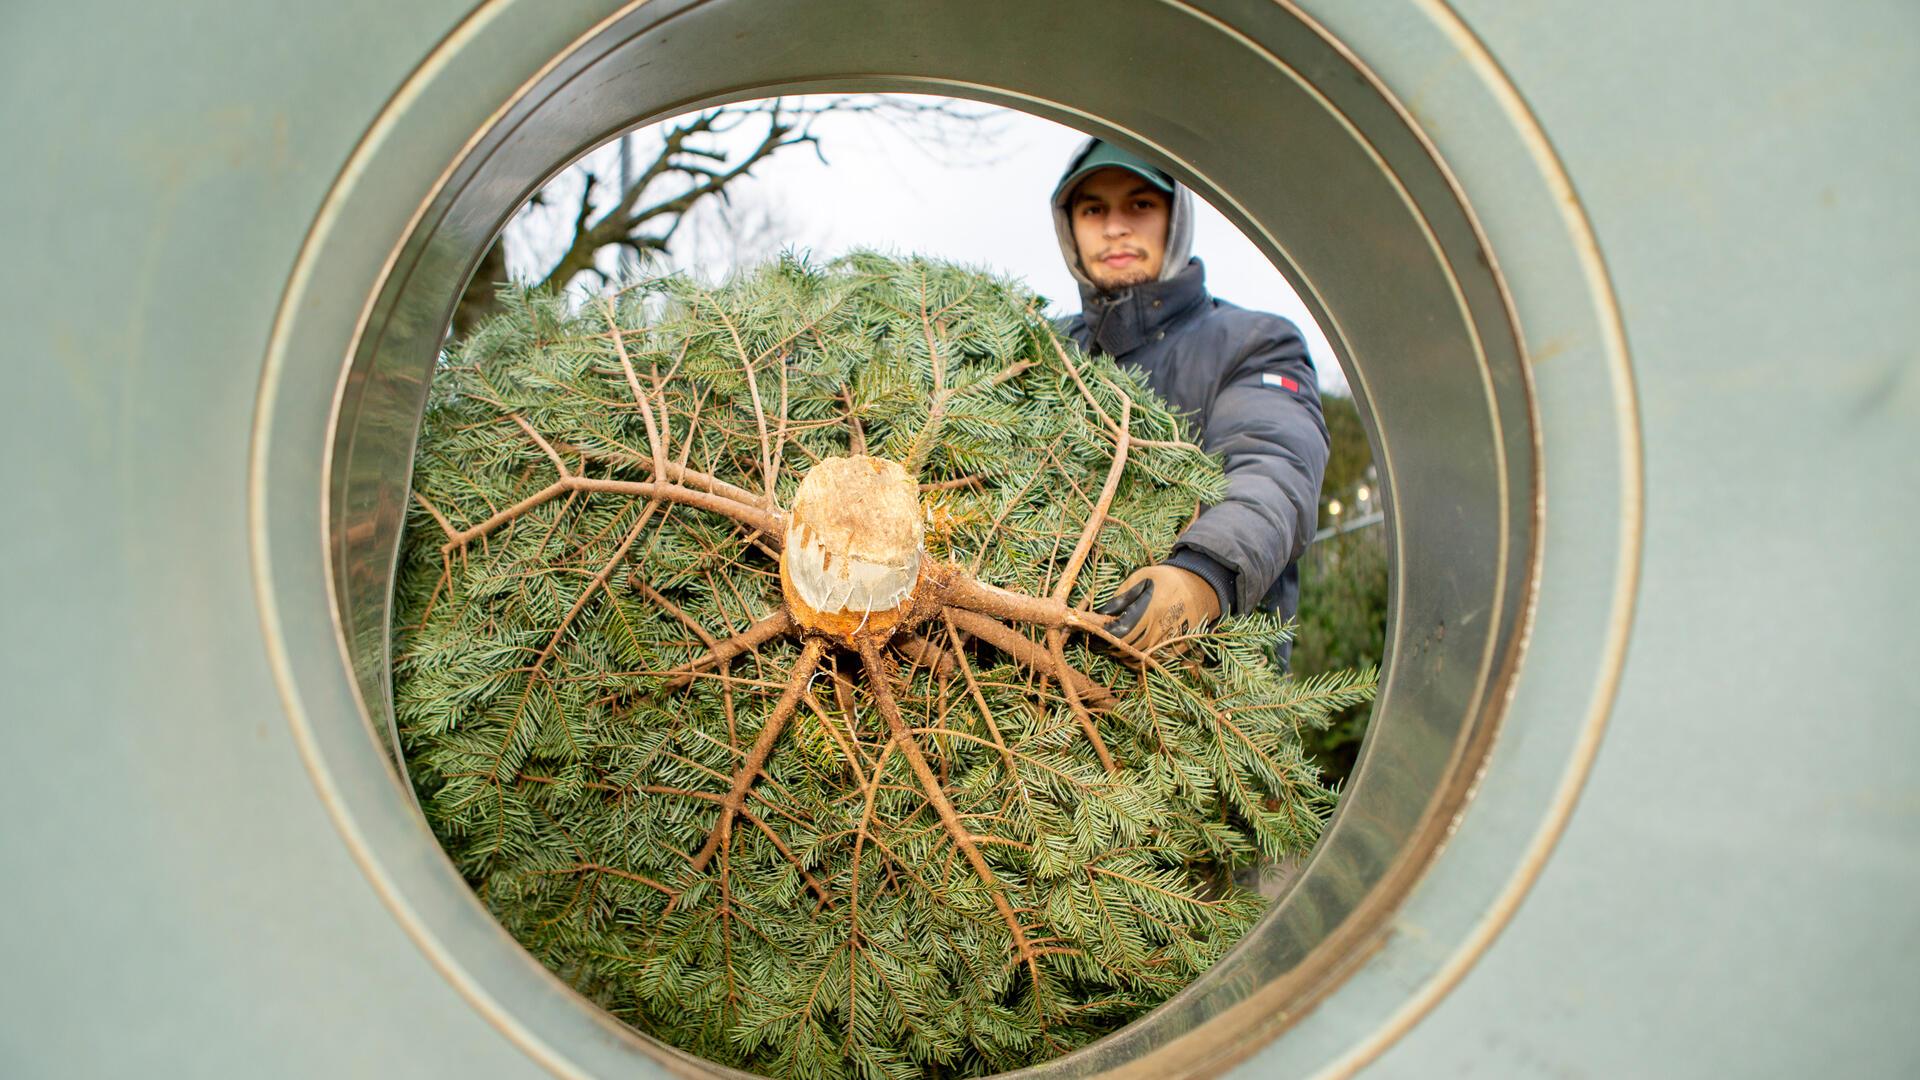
(721,234)
(698,156)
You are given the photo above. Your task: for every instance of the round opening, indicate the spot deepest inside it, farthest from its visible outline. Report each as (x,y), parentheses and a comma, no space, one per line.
(592,879)
(1428,373)
(1279,127)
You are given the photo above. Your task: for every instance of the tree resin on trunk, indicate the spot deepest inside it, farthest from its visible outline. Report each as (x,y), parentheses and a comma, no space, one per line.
(851,557)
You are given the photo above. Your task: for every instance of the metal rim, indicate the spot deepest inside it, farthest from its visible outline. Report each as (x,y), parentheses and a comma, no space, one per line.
(543,1017)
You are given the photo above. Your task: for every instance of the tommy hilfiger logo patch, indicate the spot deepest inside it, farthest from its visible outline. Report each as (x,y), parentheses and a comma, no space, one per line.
(1281,381)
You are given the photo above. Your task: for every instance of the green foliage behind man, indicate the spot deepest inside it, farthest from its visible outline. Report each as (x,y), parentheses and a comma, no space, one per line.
(1343,591)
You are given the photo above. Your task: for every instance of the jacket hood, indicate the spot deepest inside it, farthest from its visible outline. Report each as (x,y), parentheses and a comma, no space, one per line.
(1179,227)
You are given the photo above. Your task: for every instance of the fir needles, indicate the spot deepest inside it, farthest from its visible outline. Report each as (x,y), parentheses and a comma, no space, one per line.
(954,840)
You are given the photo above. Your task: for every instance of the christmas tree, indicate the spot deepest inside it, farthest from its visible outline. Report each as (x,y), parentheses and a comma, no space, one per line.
(745,665)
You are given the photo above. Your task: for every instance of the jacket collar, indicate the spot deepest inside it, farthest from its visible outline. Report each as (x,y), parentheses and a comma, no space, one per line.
(1118,323)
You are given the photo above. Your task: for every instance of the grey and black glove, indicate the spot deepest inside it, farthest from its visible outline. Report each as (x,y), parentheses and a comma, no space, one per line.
(1157,603)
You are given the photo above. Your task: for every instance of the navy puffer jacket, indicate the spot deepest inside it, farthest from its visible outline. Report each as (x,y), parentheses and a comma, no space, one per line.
(1246,382)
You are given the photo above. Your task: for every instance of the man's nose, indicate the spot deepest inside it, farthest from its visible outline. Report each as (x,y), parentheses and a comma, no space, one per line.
(1116,225)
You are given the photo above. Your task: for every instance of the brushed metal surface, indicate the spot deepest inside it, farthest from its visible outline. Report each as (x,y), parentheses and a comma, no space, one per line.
(1358,198)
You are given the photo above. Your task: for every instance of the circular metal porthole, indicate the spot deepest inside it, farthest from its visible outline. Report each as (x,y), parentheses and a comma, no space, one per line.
(1439,246)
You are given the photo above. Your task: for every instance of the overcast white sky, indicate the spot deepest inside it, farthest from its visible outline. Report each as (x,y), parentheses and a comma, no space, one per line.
(984,204)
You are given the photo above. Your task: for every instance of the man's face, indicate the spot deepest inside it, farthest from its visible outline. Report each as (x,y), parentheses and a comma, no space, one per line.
(1120,227)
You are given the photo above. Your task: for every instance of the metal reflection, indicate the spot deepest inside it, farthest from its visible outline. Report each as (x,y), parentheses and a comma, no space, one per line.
(1353,204)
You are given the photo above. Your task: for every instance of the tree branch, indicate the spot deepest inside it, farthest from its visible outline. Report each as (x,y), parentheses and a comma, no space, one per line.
(875,665)
(762,749)
(1016,645)
(780,622)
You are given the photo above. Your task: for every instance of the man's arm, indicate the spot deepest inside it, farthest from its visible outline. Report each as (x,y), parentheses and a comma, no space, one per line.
(1266,421)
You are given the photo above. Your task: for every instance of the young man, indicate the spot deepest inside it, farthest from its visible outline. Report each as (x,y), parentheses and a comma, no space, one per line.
(1242,377)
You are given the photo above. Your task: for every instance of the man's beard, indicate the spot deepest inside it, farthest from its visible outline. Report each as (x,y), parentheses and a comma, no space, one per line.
(1120,281)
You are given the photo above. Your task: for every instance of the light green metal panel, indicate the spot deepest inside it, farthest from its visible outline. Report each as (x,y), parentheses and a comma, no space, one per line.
(1736,894)
(1704,248)
(174,901)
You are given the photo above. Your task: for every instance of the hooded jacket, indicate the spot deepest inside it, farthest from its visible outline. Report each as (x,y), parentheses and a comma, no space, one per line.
(1245,381)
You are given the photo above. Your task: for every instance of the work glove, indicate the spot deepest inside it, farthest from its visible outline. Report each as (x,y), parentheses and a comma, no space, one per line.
(1157,603)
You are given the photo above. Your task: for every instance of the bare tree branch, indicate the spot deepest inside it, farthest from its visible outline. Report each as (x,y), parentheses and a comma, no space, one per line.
(698,161)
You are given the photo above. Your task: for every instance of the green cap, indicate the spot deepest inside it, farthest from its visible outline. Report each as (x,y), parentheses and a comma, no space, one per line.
(1105,155)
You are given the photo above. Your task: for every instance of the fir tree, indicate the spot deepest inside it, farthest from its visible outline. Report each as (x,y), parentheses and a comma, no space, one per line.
(745,666)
